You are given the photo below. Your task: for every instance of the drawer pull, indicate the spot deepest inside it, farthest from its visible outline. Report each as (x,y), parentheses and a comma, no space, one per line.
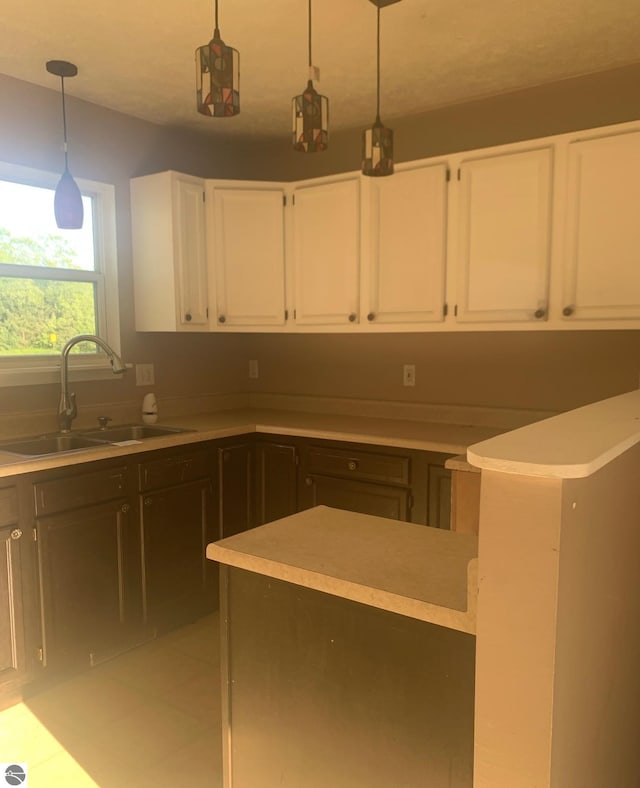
(16,534)
(352,465)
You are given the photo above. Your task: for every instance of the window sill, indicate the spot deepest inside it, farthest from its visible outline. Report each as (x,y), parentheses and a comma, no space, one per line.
(47,374)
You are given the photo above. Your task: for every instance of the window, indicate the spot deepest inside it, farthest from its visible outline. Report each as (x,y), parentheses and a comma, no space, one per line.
(54,284)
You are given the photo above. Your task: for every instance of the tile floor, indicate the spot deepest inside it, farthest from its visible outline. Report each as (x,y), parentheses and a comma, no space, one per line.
(150,717)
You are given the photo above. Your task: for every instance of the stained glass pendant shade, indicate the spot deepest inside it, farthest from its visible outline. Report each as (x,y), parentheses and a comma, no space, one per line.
(310,110)
(377,140)
(67,200)
(218,77)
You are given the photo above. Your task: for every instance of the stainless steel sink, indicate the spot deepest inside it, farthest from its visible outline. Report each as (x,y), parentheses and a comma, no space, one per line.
(62,442)
(50,444)
(131,432)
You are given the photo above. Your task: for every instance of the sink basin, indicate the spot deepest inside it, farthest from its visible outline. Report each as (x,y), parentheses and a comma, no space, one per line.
(131,432)
(50,444)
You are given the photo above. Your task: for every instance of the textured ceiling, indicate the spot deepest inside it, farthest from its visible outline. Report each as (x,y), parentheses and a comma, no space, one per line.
(137,56)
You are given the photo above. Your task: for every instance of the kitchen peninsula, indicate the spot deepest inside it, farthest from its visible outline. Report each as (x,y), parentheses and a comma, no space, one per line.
(556,701)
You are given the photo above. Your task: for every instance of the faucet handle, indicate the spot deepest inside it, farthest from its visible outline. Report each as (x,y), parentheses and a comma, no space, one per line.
(103,421)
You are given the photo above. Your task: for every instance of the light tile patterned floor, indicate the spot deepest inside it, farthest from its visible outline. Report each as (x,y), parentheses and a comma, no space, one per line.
(150,717)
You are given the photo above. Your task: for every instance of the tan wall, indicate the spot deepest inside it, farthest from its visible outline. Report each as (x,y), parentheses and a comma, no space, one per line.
(548,370)
(516,370)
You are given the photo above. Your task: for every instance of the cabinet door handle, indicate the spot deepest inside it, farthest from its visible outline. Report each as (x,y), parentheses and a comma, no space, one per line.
(309,481)
(540,313)
(125,508)
(371,316)
(147,501)
(568,311)
(352,317)
(222,319)
(188,317)
(16,534)
(352,465)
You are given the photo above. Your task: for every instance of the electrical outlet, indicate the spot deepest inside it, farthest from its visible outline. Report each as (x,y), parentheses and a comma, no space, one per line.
(253,368)
(145,375)
(409,375)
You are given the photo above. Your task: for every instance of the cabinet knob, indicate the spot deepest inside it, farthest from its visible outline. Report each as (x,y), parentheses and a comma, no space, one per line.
(125,507)
(540,313)
(16,534)
(568,311)
(309,481)
(222,319)
(352,465)
(371,316)
(188,317)
(352,317)
(147,502)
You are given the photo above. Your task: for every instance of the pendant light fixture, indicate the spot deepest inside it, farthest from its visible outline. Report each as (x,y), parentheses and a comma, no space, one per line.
(67,202)
(377,140)
(310,113)
(218,77)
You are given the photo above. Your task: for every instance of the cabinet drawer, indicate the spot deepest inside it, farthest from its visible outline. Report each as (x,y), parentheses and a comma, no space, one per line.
(8,506)
(358,465)
(77,490)
(174,470)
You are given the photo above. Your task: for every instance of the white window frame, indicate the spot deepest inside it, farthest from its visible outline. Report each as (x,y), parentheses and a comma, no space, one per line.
(28,370)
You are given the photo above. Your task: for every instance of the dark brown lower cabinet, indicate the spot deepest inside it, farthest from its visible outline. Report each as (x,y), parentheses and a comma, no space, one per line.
(176,524)
(276,481)
(16,579)
(175,534)
(235,489)
(388,482)
(377,499)
(85,557)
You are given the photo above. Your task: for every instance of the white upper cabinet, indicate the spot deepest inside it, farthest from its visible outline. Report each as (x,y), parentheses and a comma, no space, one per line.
(169,253)
(246,243)
(602,249)
(404,279)
(326,252)
(503,237)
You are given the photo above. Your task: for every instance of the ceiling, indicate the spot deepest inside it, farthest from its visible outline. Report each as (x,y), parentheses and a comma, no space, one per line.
(138,57)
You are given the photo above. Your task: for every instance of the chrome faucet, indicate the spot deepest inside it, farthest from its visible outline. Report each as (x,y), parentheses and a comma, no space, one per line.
(67,410)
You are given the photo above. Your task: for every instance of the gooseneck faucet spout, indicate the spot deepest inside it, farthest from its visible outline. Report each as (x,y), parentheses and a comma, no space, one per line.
(67,410)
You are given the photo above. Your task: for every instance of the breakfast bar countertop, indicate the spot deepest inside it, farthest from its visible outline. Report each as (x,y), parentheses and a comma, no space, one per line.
(424,573)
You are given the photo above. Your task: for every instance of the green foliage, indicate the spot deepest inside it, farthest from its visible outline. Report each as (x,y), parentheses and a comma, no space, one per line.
(40,315)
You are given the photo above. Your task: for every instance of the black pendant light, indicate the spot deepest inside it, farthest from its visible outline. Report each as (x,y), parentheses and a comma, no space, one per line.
(67,203)
(377,140)
(310,128)
(218,77)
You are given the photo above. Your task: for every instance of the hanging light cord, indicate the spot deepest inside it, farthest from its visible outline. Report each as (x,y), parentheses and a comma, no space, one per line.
(310,60)
(378,72)
(217,30)
(64,126)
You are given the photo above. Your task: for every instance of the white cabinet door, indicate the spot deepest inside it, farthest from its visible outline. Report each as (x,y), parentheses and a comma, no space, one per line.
(602,252)
(191,254)
(169,252)
(404,280)
(504,235)
(326,243)
(248,242)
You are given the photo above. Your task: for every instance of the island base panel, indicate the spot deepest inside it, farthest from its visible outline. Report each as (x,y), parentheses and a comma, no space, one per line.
(321,691)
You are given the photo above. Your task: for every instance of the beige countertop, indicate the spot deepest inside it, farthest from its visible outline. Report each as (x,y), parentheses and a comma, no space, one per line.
(569,446)
(429,436)
(424,573)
